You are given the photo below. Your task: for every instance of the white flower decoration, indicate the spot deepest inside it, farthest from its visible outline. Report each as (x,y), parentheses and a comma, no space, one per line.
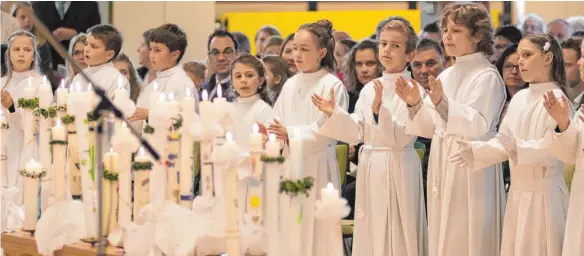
(546,47)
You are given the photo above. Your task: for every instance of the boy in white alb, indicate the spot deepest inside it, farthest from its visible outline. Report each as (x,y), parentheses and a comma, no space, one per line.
(167,47)
(104,43)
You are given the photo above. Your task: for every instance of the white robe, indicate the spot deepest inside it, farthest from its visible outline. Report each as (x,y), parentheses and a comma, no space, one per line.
(537,203)
(570,145)
(464,209)
(301,118)
(18,154)
(106,76)
(390,216)
(173,80)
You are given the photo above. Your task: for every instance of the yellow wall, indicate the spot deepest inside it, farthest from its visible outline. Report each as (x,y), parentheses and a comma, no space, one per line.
(195,18)
(359,24)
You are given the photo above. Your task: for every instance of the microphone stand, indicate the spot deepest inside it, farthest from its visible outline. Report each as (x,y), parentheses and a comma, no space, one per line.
(104,106)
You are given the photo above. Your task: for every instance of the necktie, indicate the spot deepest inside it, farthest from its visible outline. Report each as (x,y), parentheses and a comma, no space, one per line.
(61,9)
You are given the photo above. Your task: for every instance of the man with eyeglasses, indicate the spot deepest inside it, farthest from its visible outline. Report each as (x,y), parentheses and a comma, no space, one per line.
(222,48)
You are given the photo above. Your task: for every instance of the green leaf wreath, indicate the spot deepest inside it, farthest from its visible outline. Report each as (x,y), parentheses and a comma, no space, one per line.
(27,174)
(268,159)
(295,187)
(111,176)
(25,103)
(142,166)
(68,119)
(148,129)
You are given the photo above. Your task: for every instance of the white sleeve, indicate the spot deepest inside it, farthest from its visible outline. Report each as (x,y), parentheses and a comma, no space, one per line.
(347,127)
(475,117)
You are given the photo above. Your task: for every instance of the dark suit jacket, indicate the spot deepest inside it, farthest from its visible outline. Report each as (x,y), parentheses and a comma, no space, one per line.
(80,16)
(226,88)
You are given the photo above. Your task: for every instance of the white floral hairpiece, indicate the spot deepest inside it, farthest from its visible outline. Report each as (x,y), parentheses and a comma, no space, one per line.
(546,47)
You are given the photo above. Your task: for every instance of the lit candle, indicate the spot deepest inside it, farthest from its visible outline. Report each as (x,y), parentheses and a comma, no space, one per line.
(231,208)
(272,184)
(206,111)
(31,199)
(74,93)
(186,152)
(45,93)
(255,138)
(188,109)
(62,94)
(141,187)
(173,106)
(220,102)
(110,195)
(121,92)
(59,158)
(92,96)
(29,91)
(331,225)
(154,94)
(125,147)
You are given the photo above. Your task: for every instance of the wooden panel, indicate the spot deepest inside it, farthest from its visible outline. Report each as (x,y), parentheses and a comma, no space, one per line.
(222,7)
(197,19)
(554,10)
(23,244)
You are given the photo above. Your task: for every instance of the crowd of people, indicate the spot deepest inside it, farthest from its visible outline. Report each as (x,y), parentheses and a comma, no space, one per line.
(487,106)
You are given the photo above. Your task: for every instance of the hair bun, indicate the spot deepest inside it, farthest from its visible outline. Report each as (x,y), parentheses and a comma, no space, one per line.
(326,24)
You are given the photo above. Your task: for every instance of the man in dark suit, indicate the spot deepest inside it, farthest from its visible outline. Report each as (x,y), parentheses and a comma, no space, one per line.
(222,50)
(66,19)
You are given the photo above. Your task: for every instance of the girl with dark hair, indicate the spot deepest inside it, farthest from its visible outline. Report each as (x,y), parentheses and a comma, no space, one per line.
(126,68)
(342,47)
(361,66)
(276,76)
(465,208)
(313,54)
(509,70)
(538,196)
(287,53)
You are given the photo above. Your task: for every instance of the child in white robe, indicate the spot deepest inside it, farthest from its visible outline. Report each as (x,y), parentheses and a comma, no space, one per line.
(570,146)
(390,217)
(249,108)
(313,53)
(104,43)
(22,69)
(535,216)
(167,47)
(464,209)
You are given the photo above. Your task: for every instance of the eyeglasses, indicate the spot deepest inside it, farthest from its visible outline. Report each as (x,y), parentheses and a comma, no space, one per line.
(227,52)
(510,67)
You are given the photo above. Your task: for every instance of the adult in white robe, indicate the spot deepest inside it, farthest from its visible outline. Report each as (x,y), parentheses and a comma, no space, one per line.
(464,209)
(537,204)
(302,119)
(570,148)
(106,76)
(247,112)
(390,216)
(19,152)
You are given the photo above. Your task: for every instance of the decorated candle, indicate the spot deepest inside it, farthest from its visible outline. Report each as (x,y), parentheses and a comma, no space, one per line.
(255,138)
(45,94)
(141,186)
(272,185)
(110,195)
(3,150)
(295,157)
(173,106)
(188,108)
(62,94)
(125,146)
(220,102)
(331,209)
(154,95)
(33,170)
(59,137)
(206,111)
(186,152)
(231,207)
(172,168)
(29,91)
(74,94)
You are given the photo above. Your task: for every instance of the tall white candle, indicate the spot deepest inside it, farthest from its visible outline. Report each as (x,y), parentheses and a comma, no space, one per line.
(207,112)
(220,102)
(45,93)
(186,151)
(125,174)
(172,170)
(29,91)
(154,97)
(141,187)
(59,158)
(3,151)
(62,94)
(31,200)
(173,106)
(231,208)
(271,208)
(74,93)
(110,195)
(296,157)
(333,236)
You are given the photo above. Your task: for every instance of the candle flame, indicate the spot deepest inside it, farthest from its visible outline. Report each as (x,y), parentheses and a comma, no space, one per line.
(330,187)
(32,161)
(255,128)
(141,151)
(205,95)
(272,137)
(44,80)
(29,81)
(170,96)
(58,122)
(188,92)
(120,83)
(111,150)
(229,136)
(89,87)
(161,98)
(155,86)
(77,87)
(219,92)
(62,85)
